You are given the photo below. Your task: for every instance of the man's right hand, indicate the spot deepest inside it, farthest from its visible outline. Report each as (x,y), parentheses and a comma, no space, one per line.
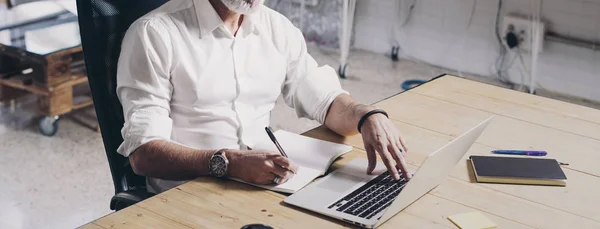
(260,167)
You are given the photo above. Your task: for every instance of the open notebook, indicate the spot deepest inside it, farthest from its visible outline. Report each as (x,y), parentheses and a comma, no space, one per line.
(313,157)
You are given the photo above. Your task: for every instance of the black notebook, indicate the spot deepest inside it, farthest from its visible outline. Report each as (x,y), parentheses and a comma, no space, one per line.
(511,170)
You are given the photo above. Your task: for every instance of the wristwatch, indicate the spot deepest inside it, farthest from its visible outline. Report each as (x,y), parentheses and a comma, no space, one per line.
(218,164)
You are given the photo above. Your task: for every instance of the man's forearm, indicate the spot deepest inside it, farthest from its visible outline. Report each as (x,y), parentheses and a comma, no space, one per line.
(166,160)
(344,114)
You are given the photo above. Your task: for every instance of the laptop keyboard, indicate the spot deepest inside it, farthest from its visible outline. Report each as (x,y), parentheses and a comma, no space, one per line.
(371,198)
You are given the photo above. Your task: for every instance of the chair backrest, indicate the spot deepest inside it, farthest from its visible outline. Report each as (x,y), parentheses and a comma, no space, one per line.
(103,24)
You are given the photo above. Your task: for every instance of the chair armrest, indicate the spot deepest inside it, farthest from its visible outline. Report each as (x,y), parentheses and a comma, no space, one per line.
(127,198)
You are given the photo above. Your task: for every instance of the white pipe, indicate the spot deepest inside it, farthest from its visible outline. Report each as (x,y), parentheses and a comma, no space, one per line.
(343,35)
(535,44)
(352,9)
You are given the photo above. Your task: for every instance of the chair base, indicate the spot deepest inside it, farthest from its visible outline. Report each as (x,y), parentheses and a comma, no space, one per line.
(125,199)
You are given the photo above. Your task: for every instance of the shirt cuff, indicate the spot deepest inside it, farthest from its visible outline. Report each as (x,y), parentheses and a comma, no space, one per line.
(322,109)
(316,93)
(144,126)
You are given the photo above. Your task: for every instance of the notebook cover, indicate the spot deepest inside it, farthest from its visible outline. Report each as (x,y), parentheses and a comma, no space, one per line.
(527,168)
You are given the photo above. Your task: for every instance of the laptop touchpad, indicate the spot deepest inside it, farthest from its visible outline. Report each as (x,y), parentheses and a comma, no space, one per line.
(339,182)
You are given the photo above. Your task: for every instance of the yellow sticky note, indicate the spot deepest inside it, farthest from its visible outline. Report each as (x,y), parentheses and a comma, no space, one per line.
(472,220)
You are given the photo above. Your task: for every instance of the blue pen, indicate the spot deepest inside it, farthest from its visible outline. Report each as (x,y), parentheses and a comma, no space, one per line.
(521,152)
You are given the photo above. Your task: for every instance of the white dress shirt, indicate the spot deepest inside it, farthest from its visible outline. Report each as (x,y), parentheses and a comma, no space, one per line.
(183,77)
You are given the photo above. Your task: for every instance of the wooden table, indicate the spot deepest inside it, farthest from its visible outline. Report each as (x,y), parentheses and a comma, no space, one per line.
(429,116)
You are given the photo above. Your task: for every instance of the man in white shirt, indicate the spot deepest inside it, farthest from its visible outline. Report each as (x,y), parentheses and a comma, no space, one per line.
(199,78)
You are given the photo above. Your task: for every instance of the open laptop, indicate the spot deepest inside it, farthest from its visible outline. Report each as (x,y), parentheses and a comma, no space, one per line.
(368,201)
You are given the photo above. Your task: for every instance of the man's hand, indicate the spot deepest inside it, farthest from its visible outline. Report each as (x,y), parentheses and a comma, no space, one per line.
(260,167)
(378,132)
(381,136)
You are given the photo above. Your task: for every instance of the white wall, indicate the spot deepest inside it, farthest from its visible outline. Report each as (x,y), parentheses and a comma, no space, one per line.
(438,34)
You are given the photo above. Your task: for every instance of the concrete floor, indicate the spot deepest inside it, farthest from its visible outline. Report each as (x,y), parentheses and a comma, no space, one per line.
(64,181)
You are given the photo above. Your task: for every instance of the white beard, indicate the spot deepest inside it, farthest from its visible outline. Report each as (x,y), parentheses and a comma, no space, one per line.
(243,6)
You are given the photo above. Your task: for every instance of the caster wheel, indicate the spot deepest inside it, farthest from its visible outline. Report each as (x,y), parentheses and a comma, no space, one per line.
(526,90)
(48,125)
(533,93)
(395,50)
(342,71)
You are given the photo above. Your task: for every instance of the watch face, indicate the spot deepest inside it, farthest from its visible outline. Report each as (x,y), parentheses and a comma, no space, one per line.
(218,166)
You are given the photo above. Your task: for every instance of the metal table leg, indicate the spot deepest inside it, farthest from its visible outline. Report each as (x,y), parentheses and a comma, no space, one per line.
(348,9)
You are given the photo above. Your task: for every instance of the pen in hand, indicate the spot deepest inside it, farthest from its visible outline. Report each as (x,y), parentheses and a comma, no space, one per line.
(272,136)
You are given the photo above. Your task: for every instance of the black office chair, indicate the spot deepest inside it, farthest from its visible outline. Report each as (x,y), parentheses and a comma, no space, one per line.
(103,24)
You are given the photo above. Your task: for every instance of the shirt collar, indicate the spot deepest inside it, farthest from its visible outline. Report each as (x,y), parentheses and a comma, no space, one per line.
(209,20)
(251,22)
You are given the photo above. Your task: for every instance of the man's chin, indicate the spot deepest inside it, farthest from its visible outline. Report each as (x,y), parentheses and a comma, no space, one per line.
(253,6)
(254,3)
(243,6)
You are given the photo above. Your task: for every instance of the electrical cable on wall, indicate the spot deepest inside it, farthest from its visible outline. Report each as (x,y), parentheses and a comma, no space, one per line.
(513,41)
(499,38)
(409,14)
(407,84)
(473,7)
(500,63)
(524,68)
(396,47)
(411,83)
(465,33)
(406,19)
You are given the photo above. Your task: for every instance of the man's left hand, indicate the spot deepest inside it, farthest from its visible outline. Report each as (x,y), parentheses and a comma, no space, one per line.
(381,136)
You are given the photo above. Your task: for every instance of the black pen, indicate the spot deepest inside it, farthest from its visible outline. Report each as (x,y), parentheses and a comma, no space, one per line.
(272,136)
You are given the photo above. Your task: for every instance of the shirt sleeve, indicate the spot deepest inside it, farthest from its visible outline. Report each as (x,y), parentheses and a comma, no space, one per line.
(143,84)
(308,88)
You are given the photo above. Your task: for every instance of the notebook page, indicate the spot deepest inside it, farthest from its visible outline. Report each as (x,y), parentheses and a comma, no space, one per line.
(302,178)
(304,151)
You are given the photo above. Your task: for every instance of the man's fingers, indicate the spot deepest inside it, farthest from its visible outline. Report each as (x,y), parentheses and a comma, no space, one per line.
(372,157)
(272,179)
(404,146)
(404,168)
(396,152)
(388,161)
(285,179)
(400,160)
(264,178)
(281,172)
(286,163)
(401,148)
